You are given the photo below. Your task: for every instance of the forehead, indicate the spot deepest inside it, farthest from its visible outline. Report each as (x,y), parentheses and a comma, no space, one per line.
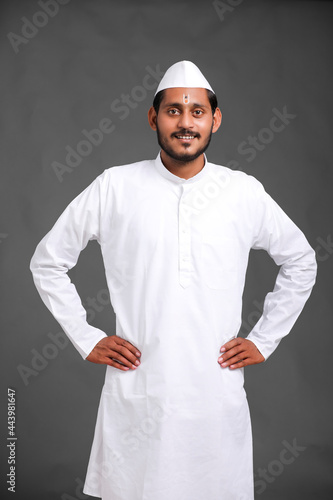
(192,95)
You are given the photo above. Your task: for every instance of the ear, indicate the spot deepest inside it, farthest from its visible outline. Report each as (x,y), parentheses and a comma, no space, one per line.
(152,118)
(217,119)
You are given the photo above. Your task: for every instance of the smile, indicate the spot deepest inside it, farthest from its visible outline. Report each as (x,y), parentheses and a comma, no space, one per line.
(186,137)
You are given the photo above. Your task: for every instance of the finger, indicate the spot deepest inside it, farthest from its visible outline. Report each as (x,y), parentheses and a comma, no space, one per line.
(124,343)
(241,364)
(234,351)
(131,363)
(231,343)
(228,354)
(228,345)
(238,358)
(119,352)
(115,364)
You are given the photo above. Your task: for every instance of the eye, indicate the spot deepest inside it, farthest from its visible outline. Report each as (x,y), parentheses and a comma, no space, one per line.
(198,112)
(173,111)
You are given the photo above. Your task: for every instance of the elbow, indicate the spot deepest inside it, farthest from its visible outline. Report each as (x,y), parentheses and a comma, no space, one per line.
(311,266)
(314,268)
(33,263)
(38,260)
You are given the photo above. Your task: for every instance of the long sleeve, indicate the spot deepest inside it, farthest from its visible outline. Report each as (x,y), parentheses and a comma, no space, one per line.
(288,247)
(57,253)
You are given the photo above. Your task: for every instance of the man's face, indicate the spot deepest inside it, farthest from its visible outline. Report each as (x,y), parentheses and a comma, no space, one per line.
(184,123)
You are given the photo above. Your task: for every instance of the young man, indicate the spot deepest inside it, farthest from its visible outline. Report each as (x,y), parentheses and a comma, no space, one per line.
(175,234)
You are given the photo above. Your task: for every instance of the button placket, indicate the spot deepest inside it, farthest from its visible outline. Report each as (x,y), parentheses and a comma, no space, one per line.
(184,239)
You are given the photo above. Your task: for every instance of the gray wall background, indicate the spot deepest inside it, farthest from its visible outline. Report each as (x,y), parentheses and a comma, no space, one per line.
(62,78)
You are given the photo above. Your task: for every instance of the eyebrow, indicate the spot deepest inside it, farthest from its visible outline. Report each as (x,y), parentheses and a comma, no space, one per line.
(181,105)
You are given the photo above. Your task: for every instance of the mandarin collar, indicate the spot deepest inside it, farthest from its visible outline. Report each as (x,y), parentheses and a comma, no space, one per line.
(162,170)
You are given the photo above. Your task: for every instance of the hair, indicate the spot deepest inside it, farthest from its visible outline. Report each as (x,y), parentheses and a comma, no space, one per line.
(159,96)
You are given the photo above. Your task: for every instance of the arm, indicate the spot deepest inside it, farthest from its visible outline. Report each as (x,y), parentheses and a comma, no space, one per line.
(58,252)
(288,247)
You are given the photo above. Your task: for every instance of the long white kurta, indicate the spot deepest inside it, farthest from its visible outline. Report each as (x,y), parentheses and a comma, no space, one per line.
(175,253)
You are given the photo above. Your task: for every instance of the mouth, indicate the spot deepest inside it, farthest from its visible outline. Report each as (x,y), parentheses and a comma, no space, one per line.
(185,137)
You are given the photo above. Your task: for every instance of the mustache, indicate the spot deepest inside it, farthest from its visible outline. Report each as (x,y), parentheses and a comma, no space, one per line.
(185,132)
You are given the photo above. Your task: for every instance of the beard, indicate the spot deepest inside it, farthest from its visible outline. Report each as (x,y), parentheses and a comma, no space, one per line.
(182,157)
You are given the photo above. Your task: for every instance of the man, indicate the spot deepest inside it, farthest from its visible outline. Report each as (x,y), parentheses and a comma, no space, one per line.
(175,234)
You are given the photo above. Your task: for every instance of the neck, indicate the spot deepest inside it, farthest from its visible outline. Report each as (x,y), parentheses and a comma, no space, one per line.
(183,169)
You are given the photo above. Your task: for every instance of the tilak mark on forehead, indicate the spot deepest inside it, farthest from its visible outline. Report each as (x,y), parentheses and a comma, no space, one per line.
(186,98)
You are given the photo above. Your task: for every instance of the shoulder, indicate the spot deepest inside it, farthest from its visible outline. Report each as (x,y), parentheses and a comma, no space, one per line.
(127,171)
(117,178)
(235,179)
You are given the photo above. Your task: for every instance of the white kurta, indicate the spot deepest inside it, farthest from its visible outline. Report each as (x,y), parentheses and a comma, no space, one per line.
(175,253)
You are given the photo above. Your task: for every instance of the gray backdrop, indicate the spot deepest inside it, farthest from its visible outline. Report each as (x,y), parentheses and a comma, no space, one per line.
(74,66)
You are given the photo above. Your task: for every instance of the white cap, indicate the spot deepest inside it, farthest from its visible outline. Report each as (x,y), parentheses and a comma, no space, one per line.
(183,74)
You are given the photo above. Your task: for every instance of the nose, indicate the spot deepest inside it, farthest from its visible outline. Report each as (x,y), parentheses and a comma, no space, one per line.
(185,120)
